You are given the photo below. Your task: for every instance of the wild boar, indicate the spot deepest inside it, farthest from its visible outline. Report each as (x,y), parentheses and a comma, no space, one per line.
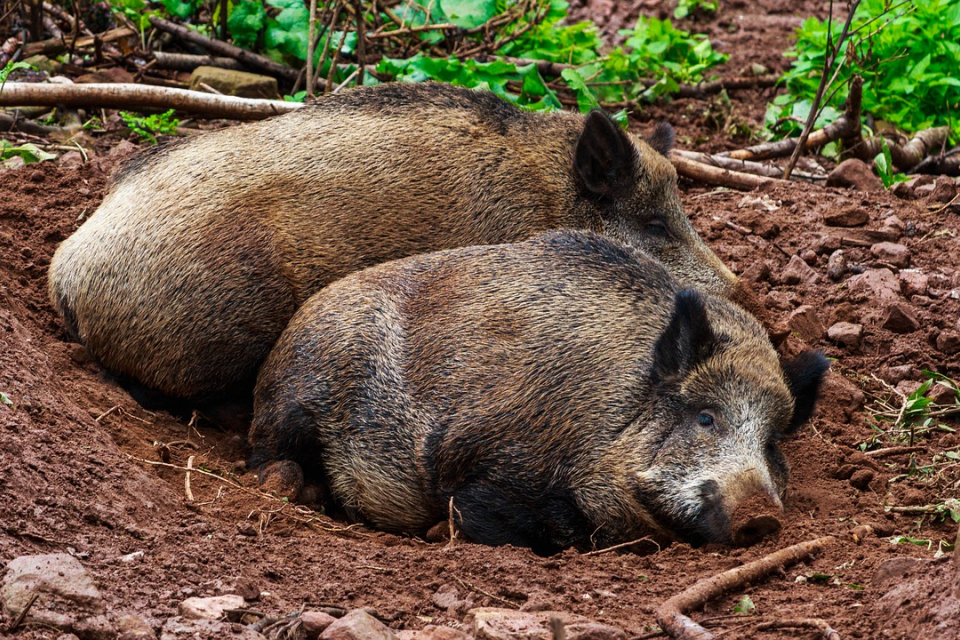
(562,391)
(202,250)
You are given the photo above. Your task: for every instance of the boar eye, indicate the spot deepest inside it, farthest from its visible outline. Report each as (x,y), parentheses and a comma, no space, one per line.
(704,419)
(656,227)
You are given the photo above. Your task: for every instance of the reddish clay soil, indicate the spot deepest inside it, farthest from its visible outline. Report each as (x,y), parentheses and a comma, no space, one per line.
(85,470)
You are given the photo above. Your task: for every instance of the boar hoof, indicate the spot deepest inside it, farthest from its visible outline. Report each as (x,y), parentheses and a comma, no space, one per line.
(283,478)
(755,529)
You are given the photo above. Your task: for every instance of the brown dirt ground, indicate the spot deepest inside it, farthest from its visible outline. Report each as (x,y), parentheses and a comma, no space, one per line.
(80,461)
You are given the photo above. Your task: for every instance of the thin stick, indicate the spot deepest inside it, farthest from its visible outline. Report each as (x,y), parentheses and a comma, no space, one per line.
(311,45)
(672,614)
(892,451)
(622,545)
(828,61)
(186,480)
(24,611)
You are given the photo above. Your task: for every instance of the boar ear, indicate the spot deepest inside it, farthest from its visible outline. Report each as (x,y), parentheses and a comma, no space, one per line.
(687,339)
(605,159)
(662,138)
(804,375)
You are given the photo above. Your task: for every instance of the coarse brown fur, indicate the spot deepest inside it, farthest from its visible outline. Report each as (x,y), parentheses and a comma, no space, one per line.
(202,251)
(552,388)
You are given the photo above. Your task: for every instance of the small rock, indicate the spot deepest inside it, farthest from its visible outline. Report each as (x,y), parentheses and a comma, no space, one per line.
(180,629)
(837,265)
(904,191)
(861,479)
(809,256)
(434,632)
(211,608)
(840,397)
(122,149)
(507,624)
(357,625)
(315,622)
(894,223)
(921,180)
(846,333)
(14,163)
(246,528)
(908,387)
(942,394)
(68,594)
(71,160)
(756,272)
(889,252)
(924,190)
(948,342)
(248,590)
(826,244)
(234,83)
(854,174)
(448,598)
(852,217)
(798,271)
(896,375)
(900,318)
(110,74)
(913,282)
(805,322)
(130,626)
(944,190)
(881,284)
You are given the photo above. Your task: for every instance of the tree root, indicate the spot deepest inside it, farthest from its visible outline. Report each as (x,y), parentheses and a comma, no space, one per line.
(671,616)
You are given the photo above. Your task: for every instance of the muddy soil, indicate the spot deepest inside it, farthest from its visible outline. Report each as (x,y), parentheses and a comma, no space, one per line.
(85,470)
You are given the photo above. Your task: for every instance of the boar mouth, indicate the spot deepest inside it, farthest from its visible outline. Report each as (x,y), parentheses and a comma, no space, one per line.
(696,522)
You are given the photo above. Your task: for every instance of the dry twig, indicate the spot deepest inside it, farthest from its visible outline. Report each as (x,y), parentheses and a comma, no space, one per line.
(718,175)
(826,631)
(672,614)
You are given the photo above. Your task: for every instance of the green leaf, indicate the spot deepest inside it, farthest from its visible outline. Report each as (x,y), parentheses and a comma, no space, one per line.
(585,99)
(245,22)
(469,13)
(29,152)
(178,8)
(5,399)
(745,606)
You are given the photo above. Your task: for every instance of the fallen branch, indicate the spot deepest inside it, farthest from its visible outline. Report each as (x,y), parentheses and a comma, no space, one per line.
(224,49)
(744,166)
(719,176)
(186,480)
(56,46)
(189,62)
(13,123)
(136,96)
(671,616)
(942,163)
(622,545)
(781,148)
(731,84)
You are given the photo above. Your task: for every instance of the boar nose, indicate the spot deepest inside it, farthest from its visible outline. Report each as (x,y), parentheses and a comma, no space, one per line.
(753,517)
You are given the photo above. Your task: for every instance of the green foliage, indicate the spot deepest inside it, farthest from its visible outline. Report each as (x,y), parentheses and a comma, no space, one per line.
(745,606)
(29,152)
(246,21)
(688,7)
(149,127)
(288,33)
(5,399)
(884,164)
(468,13)
(493,76)
(10,68)
(907,53)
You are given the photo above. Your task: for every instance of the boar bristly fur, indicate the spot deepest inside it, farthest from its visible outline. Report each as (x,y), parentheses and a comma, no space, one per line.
(566,390)
(202,250)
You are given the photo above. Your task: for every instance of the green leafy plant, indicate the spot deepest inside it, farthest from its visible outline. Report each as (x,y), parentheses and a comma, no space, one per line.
(694,7)
(28,152)
(745,606)
(5,399)
(10,68)
(885,168)
(148,128)
(907,53)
